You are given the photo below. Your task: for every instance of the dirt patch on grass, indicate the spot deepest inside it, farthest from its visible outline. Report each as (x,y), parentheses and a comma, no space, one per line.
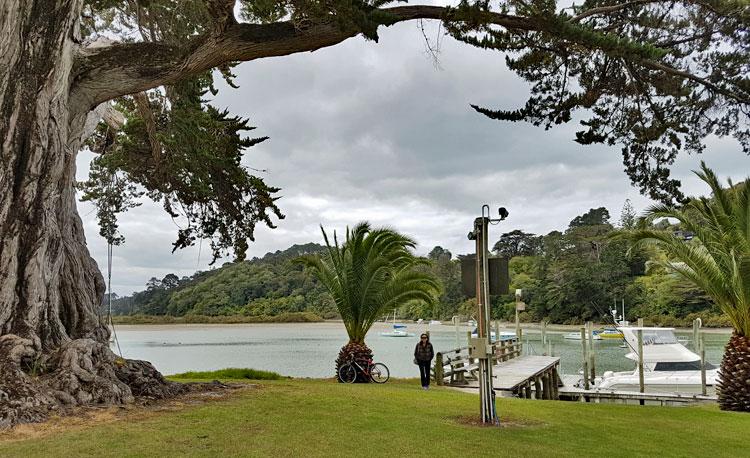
(79,418)
(475,421)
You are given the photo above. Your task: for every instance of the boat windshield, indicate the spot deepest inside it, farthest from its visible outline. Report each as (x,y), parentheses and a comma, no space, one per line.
(658,337)
(682,366)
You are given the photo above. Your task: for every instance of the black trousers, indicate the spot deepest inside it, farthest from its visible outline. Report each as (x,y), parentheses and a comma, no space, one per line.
(424,372)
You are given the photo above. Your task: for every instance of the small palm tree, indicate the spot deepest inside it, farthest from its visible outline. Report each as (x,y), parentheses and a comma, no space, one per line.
(371,273)
(717,260)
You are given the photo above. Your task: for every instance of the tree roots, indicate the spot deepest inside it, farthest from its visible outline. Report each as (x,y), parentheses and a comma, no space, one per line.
(81,372)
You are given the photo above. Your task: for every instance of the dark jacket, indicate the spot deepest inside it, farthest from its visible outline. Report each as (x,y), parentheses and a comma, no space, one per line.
(424,353)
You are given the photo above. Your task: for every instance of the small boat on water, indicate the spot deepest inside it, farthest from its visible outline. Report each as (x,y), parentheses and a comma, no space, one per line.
(577,336)
(611,333)
(435,322)
(399,330)
(668,366)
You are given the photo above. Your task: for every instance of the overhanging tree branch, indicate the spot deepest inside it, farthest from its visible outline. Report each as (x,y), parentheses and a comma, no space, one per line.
(128,68)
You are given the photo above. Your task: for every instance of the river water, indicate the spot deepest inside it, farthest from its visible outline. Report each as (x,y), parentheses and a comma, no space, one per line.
(309,349)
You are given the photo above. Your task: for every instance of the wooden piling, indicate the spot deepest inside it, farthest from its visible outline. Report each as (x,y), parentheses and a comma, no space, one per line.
(592,362)
(528,390)
(497,331)
(640,322)
(585,359)
(641,384)
(538,387)
(696,335)
(555,382)
(544,333)
(703,368)
(547,386)
(439,368)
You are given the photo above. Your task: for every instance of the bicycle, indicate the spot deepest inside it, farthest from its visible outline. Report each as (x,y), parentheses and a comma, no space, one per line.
(377,372)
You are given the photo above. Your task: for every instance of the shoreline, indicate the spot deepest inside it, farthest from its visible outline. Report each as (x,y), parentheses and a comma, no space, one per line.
(148,320)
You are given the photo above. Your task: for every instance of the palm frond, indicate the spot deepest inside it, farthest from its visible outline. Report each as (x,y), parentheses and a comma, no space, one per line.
(717,260)
(371,273)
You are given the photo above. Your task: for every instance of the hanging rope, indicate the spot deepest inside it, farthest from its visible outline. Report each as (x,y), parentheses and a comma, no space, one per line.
(109,294)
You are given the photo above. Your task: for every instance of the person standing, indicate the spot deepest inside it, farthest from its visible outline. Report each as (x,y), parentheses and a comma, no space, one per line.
(423,354)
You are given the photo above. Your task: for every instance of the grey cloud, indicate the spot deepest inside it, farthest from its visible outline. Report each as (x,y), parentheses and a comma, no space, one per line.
(375,131)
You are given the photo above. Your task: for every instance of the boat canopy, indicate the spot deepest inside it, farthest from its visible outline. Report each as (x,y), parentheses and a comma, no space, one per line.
(659,345)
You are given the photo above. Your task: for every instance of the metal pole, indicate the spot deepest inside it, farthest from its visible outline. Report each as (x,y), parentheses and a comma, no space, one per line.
(483,309)
(641,385)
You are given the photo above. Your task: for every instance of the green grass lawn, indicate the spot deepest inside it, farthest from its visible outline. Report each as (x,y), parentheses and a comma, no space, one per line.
(283,418)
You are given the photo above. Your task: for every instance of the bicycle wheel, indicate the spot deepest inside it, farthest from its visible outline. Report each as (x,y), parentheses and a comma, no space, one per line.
(347,373)
(379,373)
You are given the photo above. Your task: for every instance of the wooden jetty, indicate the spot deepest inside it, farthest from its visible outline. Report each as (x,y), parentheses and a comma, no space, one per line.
(570,392)
(512,372)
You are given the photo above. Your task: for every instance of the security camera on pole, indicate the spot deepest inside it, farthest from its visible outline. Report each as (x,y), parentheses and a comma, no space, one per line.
(481,347)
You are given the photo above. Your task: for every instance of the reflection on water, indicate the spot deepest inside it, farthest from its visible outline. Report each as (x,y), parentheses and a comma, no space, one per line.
(309,349)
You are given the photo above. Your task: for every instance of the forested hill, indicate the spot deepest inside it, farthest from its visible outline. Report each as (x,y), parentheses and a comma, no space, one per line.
(567,276)
(266,286)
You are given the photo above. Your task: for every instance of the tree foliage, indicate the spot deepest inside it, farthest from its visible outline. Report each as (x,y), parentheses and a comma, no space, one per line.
(371,273)
(717,259)
(654,76)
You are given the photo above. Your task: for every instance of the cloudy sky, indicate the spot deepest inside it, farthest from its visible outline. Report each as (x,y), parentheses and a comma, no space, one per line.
(378,131)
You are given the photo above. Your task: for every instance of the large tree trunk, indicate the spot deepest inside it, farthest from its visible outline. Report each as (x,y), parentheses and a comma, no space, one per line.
(54,348)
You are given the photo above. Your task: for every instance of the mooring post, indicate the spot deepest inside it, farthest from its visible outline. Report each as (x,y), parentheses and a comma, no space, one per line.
(439,369)
(555,381)
(547,382)
(703,368)
(592,358)
(520,342)
(497,330)
(696,335)
(640,322)
(544,333)
(549,348)
(641,386)
(585,359)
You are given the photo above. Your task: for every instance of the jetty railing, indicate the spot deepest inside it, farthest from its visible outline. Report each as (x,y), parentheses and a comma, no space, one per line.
(457,366)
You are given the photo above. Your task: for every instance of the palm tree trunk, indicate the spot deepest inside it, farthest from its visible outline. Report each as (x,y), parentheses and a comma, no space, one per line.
(734,377)
(357,351)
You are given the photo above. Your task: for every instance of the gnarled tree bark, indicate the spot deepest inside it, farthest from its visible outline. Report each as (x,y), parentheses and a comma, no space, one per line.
(54,349)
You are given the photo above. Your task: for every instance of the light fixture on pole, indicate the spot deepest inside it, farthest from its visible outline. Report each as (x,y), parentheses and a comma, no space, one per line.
(481,346)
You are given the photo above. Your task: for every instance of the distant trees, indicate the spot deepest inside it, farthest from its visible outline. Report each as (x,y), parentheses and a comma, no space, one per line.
(517,243)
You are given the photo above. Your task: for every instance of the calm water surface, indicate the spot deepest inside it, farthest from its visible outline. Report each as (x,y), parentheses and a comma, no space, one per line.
(309,349)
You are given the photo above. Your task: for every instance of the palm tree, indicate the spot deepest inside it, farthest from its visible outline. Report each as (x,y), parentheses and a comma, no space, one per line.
(717,260)
(371,273)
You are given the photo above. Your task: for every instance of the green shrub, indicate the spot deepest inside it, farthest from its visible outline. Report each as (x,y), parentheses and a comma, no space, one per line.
(231,373)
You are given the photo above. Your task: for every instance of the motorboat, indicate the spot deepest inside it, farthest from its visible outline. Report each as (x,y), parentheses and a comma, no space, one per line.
(577,336)
(611,333)
(435,322)
(504,335)
(668,366)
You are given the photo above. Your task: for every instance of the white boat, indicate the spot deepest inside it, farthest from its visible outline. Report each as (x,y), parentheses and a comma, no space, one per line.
(577,336)
(504,335)
(435,322)
(399,330)
(667,365)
